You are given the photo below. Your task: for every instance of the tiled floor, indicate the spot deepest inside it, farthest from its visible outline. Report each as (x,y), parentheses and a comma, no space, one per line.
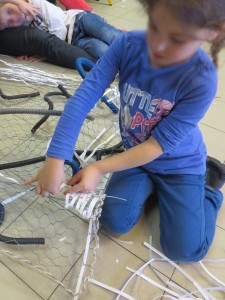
(20,281)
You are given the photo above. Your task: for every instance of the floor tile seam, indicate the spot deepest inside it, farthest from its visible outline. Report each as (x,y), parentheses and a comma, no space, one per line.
(218,226)
(118,15)
(209,126)
(132,253)
(20,278)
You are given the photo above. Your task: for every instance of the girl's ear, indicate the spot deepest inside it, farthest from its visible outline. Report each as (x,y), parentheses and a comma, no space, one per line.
(213,34)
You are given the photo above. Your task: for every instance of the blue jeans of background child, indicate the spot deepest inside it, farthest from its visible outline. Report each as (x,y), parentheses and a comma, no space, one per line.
(92,33)
(188,209)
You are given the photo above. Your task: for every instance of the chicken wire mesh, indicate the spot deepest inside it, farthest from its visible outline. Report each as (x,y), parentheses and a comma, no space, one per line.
(35,233)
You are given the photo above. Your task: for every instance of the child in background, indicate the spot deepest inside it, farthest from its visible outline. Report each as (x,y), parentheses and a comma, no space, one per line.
(31,44)
(167,83)
(83,29)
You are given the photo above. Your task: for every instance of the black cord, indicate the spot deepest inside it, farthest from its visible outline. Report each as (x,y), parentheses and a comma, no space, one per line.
(50,107)
(17,241)
(22,163)
(4,96)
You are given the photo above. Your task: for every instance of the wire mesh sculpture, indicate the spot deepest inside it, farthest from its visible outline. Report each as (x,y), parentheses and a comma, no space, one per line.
(56,236)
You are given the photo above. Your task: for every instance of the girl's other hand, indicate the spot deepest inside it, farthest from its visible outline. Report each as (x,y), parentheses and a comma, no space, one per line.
(85,180)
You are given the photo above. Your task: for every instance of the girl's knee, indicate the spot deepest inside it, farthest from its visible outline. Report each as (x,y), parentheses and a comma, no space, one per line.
(117,226)
(181,253)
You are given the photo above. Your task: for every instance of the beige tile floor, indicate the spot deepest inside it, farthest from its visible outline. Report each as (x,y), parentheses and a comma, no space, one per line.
(20,281)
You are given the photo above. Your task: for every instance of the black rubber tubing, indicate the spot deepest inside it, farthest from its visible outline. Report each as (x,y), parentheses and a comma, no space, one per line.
(50,107)
(4,96)
(17,241)
(27,111)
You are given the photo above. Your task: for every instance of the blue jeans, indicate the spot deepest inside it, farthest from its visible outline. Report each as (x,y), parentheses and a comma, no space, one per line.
(188,209)
(92,34)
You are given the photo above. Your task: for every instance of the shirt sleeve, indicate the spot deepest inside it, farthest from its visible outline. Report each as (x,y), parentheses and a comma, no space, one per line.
(52,17)
(83,101)
(190,108)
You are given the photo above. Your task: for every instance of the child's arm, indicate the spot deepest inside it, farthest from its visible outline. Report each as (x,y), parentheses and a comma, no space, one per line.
(51,175)
(25,7)
(89,177)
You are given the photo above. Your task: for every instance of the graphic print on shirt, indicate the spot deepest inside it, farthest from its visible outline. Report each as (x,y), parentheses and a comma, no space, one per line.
(39,23)
(139,114)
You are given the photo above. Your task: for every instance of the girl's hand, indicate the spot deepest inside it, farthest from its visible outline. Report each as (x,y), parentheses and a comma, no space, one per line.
(50,177)
(28,9)
(85,180)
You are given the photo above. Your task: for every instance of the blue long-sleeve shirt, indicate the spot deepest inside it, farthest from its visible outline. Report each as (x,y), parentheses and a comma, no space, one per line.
(165,103)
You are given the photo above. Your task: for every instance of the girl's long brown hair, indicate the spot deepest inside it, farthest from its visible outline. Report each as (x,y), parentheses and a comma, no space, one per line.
(200,14)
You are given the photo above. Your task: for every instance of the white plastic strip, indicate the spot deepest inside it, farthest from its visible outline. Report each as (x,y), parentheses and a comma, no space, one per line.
(170,283)
(9,178)
(70,200)
(103,183)
(87,213)
(133,275)
(200,289)
(161,297)
(114,197)
(109,288)
(216,288)
(154,282)
(10,199)
(83,202)
(100,145)
(211,275)
(190,295)
(87,246)
(82,156)
(113,90)
(120,241)
(209,289)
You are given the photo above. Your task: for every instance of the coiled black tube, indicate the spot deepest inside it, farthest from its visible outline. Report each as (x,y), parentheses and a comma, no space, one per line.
(17,241)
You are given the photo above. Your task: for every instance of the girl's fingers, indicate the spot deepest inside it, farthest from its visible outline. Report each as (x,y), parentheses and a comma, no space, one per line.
(75,179)
(38,190)
(31,180)
(76,188)
(45,194)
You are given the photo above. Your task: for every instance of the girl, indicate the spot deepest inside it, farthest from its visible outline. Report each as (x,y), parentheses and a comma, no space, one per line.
(167,83)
